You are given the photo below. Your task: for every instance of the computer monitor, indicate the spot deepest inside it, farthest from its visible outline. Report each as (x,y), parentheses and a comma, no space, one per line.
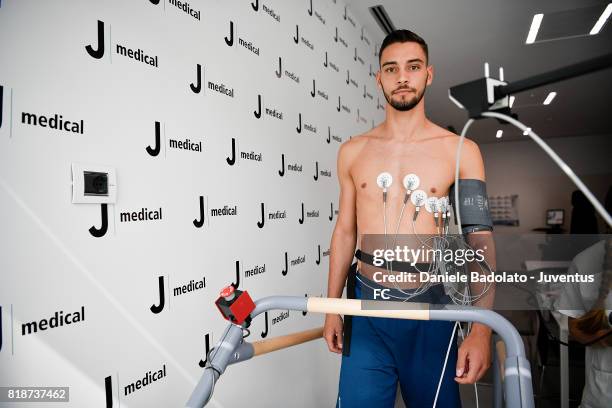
(555,217)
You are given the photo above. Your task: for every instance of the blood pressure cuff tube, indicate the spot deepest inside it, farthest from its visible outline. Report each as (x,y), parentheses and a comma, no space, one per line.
(473,205)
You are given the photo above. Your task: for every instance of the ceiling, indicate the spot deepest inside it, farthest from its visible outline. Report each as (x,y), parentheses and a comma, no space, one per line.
(463,34)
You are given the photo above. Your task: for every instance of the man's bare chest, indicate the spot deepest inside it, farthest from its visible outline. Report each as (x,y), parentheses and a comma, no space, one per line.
(433,168)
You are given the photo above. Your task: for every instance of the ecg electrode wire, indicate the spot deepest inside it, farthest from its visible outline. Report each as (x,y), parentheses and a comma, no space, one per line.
(555,157)
(450,343)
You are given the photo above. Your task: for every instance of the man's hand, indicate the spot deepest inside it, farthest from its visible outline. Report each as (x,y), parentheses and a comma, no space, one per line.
(474,355)
(332,332)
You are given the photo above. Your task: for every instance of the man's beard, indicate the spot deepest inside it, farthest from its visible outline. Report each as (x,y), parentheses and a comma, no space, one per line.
(405,105)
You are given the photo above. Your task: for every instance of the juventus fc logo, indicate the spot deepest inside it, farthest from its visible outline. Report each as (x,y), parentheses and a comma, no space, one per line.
(162,297)
(230,41)
(99,51)
(100,232)
(281,172)
(199,222)
(108,387)
(154,151)
(232,159)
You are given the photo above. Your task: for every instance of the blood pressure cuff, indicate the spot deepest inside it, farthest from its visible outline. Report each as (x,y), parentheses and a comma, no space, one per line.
(473,206)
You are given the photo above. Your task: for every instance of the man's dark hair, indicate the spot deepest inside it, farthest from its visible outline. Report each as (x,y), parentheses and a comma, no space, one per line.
(402,36)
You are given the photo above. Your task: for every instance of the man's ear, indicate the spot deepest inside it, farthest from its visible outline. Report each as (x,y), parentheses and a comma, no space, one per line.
(430,74)
(378,84)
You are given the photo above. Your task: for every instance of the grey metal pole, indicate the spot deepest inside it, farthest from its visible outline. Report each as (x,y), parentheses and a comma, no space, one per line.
(517,371)
(517,384)
(215,366)
(497,381)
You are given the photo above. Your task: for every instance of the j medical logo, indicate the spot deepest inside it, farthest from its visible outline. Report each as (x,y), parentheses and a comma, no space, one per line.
(333,137)
(291,167)
(275,320)
(269,111)
(97,51)
(307,126)
(243,42)
(348,18)
(136,385)
(252,272)
(154,151)
(266,9)
(366,94)
(183,6)
(331,211)
(227,210)
(322,172)
(364,38)
(341,107)
(288,74)
(183,288)
(54,121)
(218,87)
(318,15)
(301,39)
(379,106)
(349,80)
(59,319)
(325,253)
(309,214)
(271,216)
(251,155)
(356,57)
(100,232)
(339,39)
(199,221)
(294,262)
(321,93)
(328,63)
(136,54)
(255,271)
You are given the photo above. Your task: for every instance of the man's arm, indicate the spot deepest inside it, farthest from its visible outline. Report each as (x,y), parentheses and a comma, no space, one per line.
(345,232)
(342,245)
(475,352)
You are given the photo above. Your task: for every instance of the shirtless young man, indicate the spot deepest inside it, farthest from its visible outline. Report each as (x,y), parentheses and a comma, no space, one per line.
(384,351)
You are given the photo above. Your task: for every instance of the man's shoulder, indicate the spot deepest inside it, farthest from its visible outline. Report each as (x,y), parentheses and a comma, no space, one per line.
(450,142)
(356,143)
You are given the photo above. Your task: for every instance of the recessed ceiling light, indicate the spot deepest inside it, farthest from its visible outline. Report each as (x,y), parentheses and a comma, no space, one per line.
(526,132)
(602,20)
(533,30)
(499,134)
(549,98)
(512,98)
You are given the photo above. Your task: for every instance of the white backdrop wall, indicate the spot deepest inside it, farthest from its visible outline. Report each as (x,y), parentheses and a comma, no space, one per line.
(65,58)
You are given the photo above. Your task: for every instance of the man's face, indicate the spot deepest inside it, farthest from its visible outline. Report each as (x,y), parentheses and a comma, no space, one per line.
(404,75)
